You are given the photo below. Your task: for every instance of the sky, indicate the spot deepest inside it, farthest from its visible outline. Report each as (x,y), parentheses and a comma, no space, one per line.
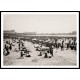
(40,23)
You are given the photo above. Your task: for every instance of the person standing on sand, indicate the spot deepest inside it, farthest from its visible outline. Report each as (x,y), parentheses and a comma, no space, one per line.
(51,49)
(22,51)
(10,44)
(62,45)
(19,44)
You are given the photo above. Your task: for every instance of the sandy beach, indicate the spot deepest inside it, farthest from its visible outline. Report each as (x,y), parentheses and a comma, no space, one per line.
(60,58)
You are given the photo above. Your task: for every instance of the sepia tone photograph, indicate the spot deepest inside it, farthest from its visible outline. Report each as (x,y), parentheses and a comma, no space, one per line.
(40,39)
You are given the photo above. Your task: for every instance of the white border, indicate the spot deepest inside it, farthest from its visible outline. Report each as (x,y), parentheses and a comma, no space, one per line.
(77,14)
(39,13)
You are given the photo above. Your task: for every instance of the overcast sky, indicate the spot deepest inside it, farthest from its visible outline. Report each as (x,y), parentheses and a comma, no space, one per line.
(40,23)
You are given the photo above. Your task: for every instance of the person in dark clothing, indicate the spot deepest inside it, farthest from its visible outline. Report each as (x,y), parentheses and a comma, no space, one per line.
(46,55)
(21,54)
(68,45)
(62,45)
(51,49)
(58,45)
(6,48)
(19,46)
(22,50)
(72,46)
(40,54)
(10,46)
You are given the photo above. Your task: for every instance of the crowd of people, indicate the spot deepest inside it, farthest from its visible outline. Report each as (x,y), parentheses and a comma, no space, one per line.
(10,43)
(58,43)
